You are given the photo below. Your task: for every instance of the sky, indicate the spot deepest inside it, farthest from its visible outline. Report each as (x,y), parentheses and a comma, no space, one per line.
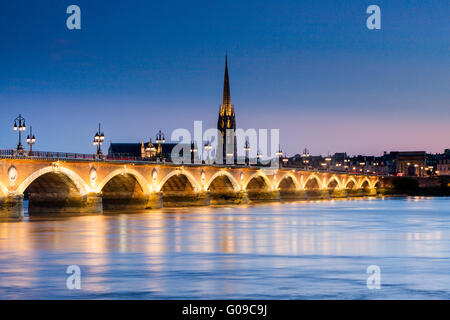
(309,68)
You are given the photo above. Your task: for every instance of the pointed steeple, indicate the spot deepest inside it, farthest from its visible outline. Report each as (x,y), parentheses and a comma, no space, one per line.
(226,86)
(226,123)
(226,108)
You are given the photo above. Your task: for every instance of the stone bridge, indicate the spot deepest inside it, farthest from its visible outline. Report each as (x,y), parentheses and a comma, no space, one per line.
(91,186)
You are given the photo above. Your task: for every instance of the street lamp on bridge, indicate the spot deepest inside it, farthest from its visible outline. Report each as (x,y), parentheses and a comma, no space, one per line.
(247,149)
(19,125)
(193,151)
(160,138)
(259,156)
(98,140)
(31,139)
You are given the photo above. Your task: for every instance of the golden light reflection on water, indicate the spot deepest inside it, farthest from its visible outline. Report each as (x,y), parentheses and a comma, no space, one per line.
(185,238)
(280,230)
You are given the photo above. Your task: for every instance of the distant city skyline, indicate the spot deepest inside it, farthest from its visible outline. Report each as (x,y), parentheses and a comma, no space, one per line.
(311,69)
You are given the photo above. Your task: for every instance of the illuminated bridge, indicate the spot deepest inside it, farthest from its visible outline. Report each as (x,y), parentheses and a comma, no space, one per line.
(74,183)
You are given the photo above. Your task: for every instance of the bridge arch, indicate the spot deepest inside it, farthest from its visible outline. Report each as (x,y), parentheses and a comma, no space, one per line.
(124,189)
(223,173)
(351,183)
(363,181)
(336,180)
(125,171)
(377,184)
(80,184)
(291,177)
(195,185)
(259,175)
(309,180)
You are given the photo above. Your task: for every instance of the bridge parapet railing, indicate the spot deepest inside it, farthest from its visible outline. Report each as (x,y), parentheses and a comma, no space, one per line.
(51,155)
(45,155)
(123,158)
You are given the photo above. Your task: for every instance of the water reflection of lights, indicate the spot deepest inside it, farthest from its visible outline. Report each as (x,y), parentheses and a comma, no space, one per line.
(424,235)
(163,242)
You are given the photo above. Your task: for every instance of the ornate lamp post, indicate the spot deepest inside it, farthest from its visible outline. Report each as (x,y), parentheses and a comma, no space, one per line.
(98,140)
(208,148)
(247,149)
(19,125)
(31,139)
(160,138)
(305,158)
(193,151)
(258,157)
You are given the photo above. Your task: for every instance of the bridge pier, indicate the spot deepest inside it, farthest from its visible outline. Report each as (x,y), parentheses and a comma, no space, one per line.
(240,197)
(154,201)
(92,203)
(125,204)
(370,192)
(264,196)
(88,204)
(186,200)
(293,195)
(355,193)
(317,194)
(11,207)
(338,193)
(203,199)
(150,201)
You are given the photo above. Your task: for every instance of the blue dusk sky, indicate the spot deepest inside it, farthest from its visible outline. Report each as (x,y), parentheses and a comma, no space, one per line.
(310,68)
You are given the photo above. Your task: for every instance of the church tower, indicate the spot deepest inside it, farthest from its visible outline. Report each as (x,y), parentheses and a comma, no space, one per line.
(226,123)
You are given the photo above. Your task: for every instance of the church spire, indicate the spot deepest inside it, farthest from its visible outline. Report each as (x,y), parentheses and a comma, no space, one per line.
(227,108)
(226,123)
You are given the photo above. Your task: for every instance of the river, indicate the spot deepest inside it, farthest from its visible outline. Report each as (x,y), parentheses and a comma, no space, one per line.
(301,250)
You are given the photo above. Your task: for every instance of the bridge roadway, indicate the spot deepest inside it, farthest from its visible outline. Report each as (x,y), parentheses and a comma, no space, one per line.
(80,184)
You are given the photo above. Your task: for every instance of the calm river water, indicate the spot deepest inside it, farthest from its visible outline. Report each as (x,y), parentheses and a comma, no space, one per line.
(303,250)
